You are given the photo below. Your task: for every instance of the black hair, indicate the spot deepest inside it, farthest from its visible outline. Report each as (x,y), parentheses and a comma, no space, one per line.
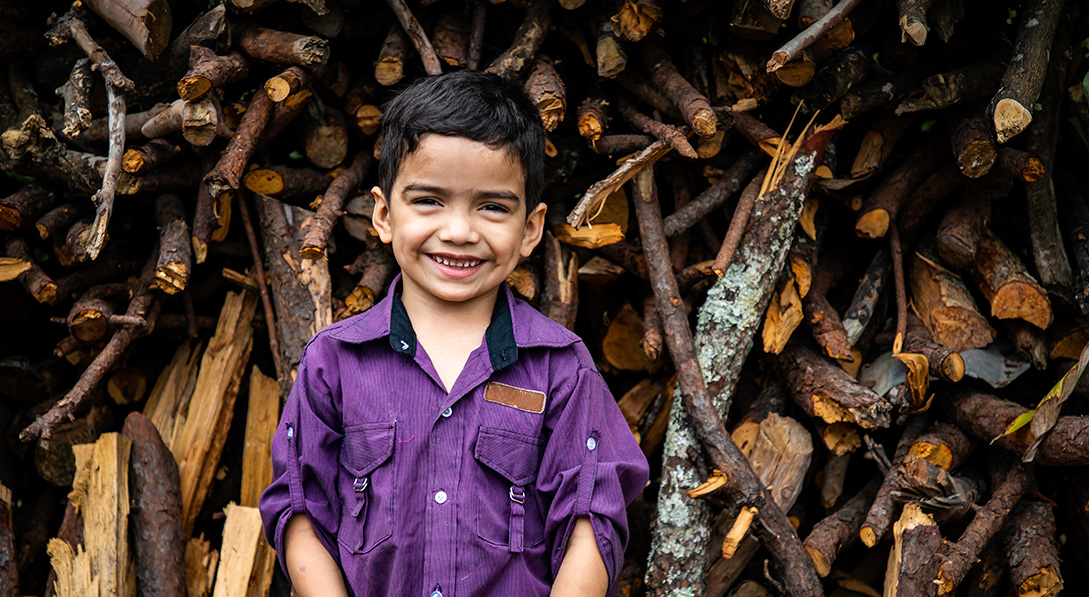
(478,106)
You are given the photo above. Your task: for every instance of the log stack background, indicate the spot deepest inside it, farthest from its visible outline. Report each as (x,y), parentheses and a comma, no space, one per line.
(863,302)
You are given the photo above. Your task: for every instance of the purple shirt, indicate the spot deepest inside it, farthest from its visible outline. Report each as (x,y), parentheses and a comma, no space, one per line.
(420,492)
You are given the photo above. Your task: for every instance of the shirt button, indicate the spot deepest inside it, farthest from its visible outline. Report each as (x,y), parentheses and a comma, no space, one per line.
(449,411)
(436,593)
(591,444)
(440,497)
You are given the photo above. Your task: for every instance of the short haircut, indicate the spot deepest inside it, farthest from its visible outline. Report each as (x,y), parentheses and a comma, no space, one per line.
(478,106)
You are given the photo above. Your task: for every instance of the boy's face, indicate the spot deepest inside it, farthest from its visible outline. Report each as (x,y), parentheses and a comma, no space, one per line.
(457,219)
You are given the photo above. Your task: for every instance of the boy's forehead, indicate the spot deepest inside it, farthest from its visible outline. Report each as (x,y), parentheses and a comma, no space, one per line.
(453,162)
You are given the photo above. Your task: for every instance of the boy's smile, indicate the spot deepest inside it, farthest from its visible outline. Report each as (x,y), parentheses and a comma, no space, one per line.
(457,221)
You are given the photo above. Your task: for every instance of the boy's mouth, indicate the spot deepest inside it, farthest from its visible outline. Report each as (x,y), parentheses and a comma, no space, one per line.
(456,263)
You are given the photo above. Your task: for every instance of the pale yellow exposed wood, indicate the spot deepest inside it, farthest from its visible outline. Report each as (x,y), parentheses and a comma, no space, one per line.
(262,414)
(201,562)
(101,493)
(198,443)
(246,566)
(173,389)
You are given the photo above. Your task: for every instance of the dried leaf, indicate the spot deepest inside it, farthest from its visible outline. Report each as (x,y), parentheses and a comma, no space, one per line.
(1046,413)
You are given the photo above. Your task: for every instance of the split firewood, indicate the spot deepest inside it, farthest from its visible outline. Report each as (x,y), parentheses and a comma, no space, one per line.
(1032,550)
(146,23)
(635,18)
(227,173)
(973,143)
(915,539)
(208,71)
(1024,77)
(302,287)
(944,363)
(942,301)
(376,266)
(546,90)
(281,47)
(36,282)
(882,511)
(55,462)
(287,83)
(24,206)
(285,182)
(154,153)
(262,414)
(248,559)
(883,204)
(957,558)
(833,80)
(451,39)
(175,253)
(663,132)
(1052,264)
(392,57)
(813,31)
(840,529)
(693,105)
(60,218)
(826,391)
(974,82)
(313,244)
(611,58)
(76,93)
(198,443)
(156,510)
(987,417)
(1007,285)
(141,306)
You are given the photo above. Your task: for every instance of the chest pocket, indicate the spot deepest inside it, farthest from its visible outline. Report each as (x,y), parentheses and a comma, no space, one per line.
(366,486)
(507,512)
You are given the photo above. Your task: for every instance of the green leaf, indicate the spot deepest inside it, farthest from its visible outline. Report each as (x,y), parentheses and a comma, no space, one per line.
(1017,423)
(19,177)
(295,155)
(926,126)
(1047,411)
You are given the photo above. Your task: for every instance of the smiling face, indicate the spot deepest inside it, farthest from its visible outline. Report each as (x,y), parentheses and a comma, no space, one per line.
(457,221)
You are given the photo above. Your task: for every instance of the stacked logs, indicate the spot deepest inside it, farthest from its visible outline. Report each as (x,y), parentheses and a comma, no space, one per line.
(889,193)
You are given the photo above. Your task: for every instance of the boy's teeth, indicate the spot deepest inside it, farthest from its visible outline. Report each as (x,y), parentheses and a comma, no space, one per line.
(461,264)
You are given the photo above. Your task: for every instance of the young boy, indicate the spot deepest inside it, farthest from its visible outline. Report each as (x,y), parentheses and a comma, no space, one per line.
(452,440)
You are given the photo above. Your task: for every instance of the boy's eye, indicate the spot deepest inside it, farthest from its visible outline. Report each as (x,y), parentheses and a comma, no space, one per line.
(495,207)
(425,201)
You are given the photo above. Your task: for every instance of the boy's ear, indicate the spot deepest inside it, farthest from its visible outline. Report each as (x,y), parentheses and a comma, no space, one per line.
(380,216)
(534,229)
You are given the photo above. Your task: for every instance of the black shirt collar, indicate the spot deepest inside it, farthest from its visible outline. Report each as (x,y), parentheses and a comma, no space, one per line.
(499,337)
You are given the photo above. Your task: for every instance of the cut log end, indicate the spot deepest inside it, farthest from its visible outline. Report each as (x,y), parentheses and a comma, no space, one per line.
(953,367)
(1019,300)
(705,123)
(820,561)
(937,454)
(960,329)
(977,159)
(172,277)
(192,88)
(277,89)
(873,224)
(200,250)
(1010,118)
(1045,584)
(1034,170)
(913,31)
(868,536)
(389,72)
(311,253)
(590,127)
(264,181)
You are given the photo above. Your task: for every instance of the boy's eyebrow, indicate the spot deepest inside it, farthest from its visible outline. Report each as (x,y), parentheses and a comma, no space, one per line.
(422,188)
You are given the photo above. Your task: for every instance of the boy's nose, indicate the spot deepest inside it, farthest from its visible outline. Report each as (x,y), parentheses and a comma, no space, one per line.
(458,228)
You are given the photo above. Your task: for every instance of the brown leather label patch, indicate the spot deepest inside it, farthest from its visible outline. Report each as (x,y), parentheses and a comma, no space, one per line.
(528,400)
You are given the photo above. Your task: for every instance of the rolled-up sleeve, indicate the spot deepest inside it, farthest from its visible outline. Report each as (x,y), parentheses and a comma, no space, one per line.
(591,467)
(304,463)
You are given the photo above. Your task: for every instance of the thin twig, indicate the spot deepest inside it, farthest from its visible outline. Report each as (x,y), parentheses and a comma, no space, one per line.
(259,274)
(738,223)
(901,291)
(418,36)
(810,34)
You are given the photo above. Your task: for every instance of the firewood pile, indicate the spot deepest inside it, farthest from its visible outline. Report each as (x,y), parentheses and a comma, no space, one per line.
(833,260)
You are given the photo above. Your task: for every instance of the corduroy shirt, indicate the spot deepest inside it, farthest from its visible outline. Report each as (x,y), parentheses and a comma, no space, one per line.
(417,491)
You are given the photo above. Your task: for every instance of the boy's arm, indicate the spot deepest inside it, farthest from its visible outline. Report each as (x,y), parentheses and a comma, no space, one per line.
(582,572)
(310,568)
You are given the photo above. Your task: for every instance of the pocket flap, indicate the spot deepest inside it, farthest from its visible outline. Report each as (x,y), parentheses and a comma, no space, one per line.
(510,454)
(366,446)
